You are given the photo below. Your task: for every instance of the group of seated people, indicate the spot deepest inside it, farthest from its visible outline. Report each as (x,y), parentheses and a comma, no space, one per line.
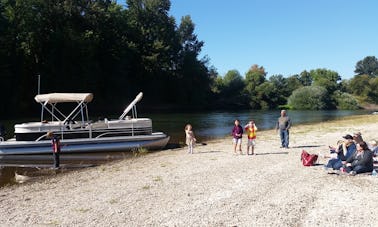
(353,155)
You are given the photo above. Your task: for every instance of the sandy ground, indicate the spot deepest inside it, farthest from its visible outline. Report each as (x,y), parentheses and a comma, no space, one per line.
(212,187)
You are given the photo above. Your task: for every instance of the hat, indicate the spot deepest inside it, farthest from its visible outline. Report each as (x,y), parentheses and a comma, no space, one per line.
(373,143)
(348,137)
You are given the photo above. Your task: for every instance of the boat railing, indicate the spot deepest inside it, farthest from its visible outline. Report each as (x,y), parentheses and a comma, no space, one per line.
(132,106)
(93,132)
(41,137)
(144,131)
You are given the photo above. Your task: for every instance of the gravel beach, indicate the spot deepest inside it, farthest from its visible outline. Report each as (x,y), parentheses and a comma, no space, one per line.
(212,187)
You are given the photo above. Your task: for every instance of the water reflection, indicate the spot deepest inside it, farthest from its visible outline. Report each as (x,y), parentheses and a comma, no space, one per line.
(39,165)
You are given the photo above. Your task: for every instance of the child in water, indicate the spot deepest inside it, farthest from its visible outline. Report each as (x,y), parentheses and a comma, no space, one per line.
(237,132)
(251,129)
(190,139)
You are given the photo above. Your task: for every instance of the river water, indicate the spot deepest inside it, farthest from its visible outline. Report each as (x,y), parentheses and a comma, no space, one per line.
(212,125)
(206,126)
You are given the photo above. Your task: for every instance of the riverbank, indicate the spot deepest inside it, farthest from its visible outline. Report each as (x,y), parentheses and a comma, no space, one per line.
(212,187)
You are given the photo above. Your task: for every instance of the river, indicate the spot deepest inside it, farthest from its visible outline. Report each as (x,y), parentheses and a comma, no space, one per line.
(212,125)
(206,126)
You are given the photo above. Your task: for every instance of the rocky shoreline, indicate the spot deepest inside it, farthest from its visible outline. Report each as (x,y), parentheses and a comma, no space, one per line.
(212,187)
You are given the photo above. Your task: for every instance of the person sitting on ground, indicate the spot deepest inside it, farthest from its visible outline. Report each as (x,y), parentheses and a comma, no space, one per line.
(374,148)
(341,153)
(357,137)
(332,150)
(361,161)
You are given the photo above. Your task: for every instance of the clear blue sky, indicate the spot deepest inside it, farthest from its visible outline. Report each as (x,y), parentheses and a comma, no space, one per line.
(284,36)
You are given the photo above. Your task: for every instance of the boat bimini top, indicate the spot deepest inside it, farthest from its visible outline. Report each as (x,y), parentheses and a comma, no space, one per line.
(49,102)
(64,97)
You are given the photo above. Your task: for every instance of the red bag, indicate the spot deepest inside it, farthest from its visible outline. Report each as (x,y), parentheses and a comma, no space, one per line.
(308,159)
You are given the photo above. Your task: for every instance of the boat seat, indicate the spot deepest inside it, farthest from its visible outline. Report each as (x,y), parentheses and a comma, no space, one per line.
(97,125)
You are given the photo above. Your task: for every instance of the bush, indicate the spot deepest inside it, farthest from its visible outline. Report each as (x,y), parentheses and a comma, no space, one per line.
(310,98)
(345,101)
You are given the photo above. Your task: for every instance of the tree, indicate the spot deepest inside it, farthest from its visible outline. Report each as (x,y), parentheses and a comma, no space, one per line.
(273,92)
(233,82)
(326,78)
(231,90)
(7,57)
(254,77)
(192,73)
(345,101)
(294,82)
(267,95)
(367,66)
(156,45)
(188,39)
(359,85)
(373,93)
(305,78)
(310,98)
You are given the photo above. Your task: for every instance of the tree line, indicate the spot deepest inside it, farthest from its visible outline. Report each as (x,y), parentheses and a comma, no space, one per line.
(102,47)
(115,51)
(317,89)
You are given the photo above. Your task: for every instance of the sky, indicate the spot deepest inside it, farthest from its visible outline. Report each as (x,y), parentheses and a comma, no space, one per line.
(286,37)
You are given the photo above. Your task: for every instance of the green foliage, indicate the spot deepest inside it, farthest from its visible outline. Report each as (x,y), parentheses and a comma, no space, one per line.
(309,98)
(368,66)
(293,83)
(364,87)
(230,90)
(359,85)
(115,51)
(254,77)
(325,78)
(193,72)
(373,93)
(102,47)
(345,101)
(273,92)
(305,78)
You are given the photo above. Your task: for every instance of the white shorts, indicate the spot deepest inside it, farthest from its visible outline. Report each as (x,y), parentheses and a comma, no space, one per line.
(251,142)
(237,141)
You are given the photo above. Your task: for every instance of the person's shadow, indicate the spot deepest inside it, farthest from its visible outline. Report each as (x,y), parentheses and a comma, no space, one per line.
(269,153)
(307,146)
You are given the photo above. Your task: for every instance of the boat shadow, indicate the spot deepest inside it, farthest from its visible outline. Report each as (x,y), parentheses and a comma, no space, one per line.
(172,146)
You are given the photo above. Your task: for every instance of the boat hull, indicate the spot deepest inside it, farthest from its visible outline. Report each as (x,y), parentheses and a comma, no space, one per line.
(85,145)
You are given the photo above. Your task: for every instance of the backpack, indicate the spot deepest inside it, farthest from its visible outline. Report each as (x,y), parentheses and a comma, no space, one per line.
(308,159)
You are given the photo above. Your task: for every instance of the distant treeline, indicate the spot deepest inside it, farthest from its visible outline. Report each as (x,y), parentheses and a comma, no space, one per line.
(115,51)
